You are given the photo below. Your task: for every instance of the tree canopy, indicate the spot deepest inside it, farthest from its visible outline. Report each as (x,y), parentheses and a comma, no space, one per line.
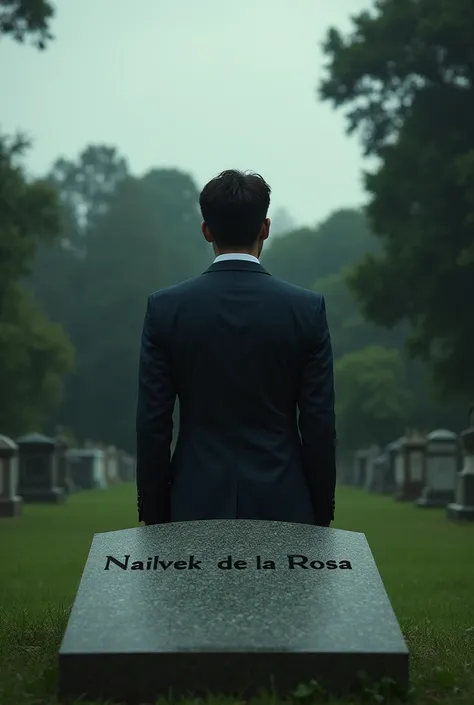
(34,352)
(373,402)
(90,241)
(307,254)
(123,237)
(405,74)
(23,18)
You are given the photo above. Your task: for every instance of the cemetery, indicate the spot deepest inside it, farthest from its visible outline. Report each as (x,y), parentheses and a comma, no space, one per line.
(100,204)
(377,609)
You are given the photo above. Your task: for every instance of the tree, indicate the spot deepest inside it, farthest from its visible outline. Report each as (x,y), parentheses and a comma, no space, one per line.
(350,331)
(145,237)
(20,18)
(372,401)
(28,213)
(407,75)
(34,353)
(174,198)
(305,255)
(86,187)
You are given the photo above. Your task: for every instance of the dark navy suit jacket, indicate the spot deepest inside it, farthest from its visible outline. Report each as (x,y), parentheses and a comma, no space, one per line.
(243,352)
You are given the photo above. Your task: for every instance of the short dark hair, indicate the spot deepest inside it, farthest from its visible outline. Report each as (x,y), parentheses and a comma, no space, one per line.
(233,206)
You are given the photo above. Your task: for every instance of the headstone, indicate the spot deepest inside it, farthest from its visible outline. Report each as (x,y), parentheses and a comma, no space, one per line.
(410,468)
(111,465)
(379,473)
(228,607)
(88,468)
(441,469)
(63,464)
(463,506)
(38,480)
(345,468)
(389,485)
(361,459)
(370,476)
(10,502)
(126,467)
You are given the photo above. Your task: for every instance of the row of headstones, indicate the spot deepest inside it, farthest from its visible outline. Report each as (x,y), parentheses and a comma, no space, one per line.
(436,471)
(35,468)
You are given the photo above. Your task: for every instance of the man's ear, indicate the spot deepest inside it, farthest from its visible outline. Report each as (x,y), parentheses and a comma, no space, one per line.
(265,231)
(206,232)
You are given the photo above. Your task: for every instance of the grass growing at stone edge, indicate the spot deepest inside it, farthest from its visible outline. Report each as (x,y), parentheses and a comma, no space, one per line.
(426,564)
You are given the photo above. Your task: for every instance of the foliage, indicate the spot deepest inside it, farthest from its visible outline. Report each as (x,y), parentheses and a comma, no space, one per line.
(34,356)
(34,353)
(306,255)
(126,237)
(86,187)
(28,213)
(373,402)
(20,18)
(349,329)
(406,74)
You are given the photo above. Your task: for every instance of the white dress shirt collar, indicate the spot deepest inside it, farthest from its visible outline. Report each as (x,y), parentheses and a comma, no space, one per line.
(237,255)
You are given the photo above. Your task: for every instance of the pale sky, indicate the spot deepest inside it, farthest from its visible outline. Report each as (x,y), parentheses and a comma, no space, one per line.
(201,85)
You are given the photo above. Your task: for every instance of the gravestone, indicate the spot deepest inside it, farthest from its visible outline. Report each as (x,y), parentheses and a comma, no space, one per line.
(228,607)
(10,502)
(441,469)
(126,467)
(64,468)
(88,468)
(361,460)
(410,468)
(463,507)
(379,473)
(38,470)
(371,469)
(389,485)
(345,470)
(111,461)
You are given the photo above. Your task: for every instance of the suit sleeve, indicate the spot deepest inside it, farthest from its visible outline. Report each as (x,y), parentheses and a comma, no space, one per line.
(154,424)
(317,422)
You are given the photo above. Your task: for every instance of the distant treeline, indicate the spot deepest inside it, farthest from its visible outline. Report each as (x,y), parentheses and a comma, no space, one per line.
(123,237)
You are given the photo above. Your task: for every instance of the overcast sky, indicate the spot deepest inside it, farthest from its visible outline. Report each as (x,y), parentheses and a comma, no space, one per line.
(202,85)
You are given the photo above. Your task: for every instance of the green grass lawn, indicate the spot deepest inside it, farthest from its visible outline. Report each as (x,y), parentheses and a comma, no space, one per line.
(426,563)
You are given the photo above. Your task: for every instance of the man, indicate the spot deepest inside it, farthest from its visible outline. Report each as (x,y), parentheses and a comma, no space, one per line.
(243,352)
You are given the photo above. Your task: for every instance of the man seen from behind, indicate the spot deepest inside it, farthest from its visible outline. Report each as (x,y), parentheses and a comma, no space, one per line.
(249,358)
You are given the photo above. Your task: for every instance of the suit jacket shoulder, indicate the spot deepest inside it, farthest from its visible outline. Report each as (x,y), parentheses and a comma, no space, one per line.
(298,293)
(175,291)
(309,306)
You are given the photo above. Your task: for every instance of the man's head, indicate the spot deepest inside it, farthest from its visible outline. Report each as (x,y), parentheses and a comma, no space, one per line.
(234,209)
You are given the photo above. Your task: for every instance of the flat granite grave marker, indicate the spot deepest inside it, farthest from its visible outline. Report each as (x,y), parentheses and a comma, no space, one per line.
(228,607)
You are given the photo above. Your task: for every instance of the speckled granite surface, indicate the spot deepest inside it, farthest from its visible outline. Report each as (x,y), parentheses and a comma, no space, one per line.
(165,607)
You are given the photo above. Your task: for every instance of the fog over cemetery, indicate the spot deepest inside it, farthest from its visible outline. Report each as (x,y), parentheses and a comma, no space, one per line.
(84,243)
